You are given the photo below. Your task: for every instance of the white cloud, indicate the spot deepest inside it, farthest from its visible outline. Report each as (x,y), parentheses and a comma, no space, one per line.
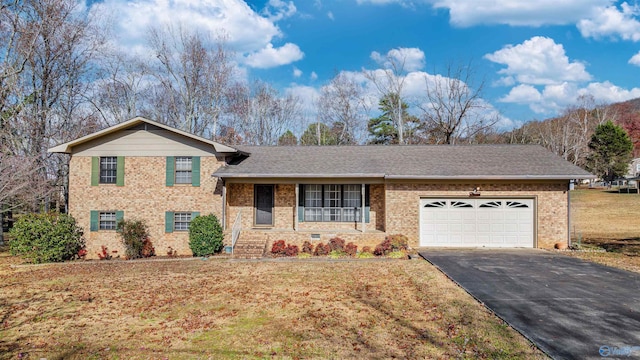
(276,10)
(522,94)
(247,31)
(466,13)
(410,59)
(552,99)
(538,61)
(635,59)
(611,22)
(297,72)
(608,92)
(330,15)
(269,56)
(313,76)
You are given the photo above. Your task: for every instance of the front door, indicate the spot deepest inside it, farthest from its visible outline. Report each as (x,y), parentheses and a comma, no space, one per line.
(264,204)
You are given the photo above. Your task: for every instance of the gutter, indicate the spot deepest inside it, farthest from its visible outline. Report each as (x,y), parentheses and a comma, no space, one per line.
(407,177)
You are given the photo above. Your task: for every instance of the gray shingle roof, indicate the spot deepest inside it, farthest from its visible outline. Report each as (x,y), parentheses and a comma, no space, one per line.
(421,162)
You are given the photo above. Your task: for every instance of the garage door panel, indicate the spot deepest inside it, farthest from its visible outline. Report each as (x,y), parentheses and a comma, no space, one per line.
(477,222)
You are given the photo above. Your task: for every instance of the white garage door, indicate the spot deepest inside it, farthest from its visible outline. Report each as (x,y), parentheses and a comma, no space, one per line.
(468,222)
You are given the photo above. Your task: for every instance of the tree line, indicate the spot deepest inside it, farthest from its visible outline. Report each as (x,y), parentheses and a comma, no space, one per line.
(61,78)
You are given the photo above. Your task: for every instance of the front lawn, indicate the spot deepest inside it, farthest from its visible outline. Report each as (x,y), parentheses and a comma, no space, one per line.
(606,219)
(245,309)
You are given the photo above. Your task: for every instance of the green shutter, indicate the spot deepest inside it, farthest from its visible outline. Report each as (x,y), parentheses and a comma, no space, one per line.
(171,170)
(168,221)
(367,206)
(300,203)
(93,222)
(119,216)
(120,171)
(194,214)
(95,171)
(195,171)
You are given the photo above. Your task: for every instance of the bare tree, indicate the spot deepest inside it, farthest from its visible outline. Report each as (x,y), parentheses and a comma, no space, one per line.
(53,44)
(260,114)
(568,135)
(390,80)
(123,91)
(342,102)
(452,109)
(192,75)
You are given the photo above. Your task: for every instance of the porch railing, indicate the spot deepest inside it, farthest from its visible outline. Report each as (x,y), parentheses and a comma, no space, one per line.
(235,230)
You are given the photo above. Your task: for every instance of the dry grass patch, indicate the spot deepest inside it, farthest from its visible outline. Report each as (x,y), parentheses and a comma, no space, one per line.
(219,308)
(608,220)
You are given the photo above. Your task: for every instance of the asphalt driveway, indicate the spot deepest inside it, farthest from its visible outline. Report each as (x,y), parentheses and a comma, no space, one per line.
(570,308)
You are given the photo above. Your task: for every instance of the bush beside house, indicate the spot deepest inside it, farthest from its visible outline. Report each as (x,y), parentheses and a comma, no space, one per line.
(205,235)
(46,237)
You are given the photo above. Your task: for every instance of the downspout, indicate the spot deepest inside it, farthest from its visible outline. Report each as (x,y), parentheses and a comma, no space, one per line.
(296,212)
(224,205)
(362,206)
(569,214)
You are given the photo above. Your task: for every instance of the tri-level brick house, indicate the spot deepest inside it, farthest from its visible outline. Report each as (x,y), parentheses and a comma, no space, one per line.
(489,195)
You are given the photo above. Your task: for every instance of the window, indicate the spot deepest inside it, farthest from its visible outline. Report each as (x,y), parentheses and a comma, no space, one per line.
(516,204)
(492,204)
(460,204)
(334,203)
(181,221)
(107,220)
(108,169)
(436,204)
(313,202)
(183,170)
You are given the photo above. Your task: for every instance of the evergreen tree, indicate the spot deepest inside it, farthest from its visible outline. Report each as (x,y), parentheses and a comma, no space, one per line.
(384,129)
(287,139)
(611,149)
(318,134)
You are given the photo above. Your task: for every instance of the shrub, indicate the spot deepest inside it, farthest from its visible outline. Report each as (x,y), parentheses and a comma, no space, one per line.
(336,244)
(351,249)
(365,255)
(399,242)
(279,247)
(383,248)
(322,249)
(307,247)
(147,249)
(291,250)
(367,250)
(336,254)
(205,235)
(134,234)
(304,255)
(47,237)
(397,255)
(103,254)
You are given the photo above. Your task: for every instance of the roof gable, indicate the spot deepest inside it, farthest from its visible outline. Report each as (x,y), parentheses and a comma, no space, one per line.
(139,124)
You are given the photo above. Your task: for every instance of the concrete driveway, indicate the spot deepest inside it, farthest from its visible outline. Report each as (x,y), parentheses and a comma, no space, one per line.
(571,309)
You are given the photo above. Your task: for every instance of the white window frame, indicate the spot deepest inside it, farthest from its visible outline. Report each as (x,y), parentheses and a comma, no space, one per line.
(183,169)
(108,169)
(107,220)
(182,220)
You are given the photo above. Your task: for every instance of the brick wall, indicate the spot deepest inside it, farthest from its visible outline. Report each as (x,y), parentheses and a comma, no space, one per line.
(144,196)
(402,199)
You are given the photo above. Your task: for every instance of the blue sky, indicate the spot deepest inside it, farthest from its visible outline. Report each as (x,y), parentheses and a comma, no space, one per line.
(535,57)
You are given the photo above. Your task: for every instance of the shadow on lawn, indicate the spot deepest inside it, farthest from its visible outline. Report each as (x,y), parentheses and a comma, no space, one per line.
(628,246)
